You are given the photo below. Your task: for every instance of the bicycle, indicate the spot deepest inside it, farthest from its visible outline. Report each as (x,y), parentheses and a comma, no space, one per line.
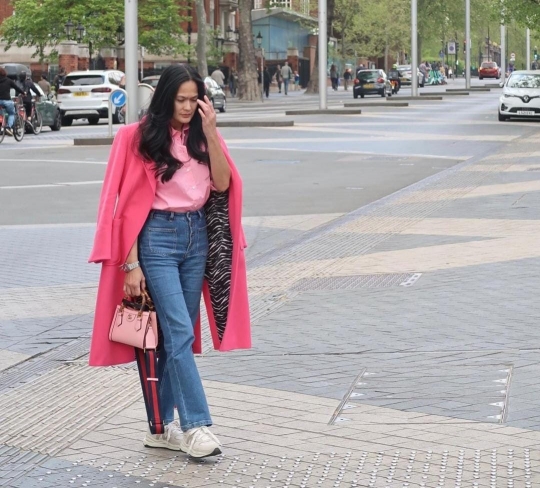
(19,125)
(35,123)
(3,123)
(17,129)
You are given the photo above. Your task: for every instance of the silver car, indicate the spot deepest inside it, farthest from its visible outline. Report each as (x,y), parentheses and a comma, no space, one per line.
(405,71)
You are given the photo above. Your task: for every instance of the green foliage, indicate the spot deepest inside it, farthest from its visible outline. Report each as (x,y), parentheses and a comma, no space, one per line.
(40,24)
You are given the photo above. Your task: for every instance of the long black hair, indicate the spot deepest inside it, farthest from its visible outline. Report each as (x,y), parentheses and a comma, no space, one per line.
(154,130)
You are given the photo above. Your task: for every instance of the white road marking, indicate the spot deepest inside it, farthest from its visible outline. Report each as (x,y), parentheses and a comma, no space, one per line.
(52,185)
(50,161)
(369,153)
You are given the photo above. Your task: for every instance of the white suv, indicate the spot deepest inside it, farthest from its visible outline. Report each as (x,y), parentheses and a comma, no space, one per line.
(85,95)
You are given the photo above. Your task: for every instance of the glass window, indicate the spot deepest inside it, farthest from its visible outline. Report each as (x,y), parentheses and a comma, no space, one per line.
(367,75)
(489,65)
(524,81)
(84,80)
(113,79)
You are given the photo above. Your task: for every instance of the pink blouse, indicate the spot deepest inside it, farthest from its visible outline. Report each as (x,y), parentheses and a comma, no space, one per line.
(189,188)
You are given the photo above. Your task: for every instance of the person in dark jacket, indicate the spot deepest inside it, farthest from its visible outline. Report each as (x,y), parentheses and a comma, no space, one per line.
(266,79)
(5,98)
(29,88)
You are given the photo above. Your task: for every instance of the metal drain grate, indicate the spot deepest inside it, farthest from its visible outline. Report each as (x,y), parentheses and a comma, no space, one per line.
(468,391)
(356,281)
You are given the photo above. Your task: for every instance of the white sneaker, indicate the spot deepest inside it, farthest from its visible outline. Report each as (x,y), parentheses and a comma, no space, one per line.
(200,443)
(171,439)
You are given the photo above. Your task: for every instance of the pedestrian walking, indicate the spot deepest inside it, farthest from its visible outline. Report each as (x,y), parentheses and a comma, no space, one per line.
(218,76)
(169,222)
(45,85)
(296,81)
(266,80)
(59,79)
(6,85)
(278,77)
(347,76)
(286,75)
(334,77)
(233,77)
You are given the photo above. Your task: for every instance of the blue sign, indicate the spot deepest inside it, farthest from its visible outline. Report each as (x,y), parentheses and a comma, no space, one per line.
(118,98)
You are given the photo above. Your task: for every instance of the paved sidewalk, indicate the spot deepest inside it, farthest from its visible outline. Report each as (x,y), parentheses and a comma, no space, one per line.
(395,346)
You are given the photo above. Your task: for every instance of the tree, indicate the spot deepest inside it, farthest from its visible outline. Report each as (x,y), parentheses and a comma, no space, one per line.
(247,67)
(40,24)
(202,38)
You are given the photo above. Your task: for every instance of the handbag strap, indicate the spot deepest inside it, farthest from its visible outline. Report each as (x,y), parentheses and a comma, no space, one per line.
(147,365)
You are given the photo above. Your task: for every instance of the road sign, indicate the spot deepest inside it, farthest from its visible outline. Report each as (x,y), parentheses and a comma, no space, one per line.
(118,98)
(441,54)
(452,48)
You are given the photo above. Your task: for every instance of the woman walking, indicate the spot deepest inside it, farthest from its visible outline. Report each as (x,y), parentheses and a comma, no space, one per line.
(170,222)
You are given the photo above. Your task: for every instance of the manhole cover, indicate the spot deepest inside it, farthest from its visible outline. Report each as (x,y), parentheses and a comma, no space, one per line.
(356,281)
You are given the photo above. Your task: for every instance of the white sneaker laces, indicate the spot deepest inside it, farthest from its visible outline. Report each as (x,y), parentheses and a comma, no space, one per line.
(202,434)
(170,428)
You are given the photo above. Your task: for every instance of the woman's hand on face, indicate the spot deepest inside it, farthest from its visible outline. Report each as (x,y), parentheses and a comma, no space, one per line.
(134,283)
(208,116)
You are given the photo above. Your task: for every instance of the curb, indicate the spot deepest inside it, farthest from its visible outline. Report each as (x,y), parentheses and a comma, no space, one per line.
(330,111)
(255,123)
(421,97)
(107,141)
(474,88)
(445,94)
(94,141)
(376,104)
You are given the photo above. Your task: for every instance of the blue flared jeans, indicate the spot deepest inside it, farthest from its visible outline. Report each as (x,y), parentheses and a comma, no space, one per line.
(173,248)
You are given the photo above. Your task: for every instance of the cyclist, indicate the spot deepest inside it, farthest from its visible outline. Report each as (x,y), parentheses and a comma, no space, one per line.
(5,98)
(28,87)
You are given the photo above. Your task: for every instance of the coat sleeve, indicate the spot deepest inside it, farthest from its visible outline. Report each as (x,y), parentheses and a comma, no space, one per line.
(235,176)
(109,193)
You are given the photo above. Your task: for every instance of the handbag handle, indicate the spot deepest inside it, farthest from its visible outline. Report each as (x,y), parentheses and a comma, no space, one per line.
(146,303)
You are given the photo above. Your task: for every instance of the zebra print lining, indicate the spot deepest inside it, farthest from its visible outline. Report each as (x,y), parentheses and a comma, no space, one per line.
(219,262)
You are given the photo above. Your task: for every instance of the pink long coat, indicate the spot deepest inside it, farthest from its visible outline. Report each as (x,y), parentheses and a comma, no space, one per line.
(126,200)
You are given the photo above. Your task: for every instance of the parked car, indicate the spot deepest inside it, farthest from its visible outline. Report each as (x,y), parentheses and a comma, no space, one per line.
(47,106)
(521,96)
(215,94)
(49,110)
(85,95)
(405,70)
(151,80)
(489,69)
(213,91)
(371,82)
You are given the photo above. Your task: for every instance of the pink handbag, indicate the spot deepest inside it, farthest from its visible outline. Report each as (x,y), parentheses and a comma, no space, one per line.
(135,324)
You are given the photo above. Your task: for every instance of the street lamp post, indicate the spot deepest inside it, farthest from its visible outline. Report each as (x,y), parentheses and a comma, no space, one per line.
(132,58)
(69,25)
(414,48)
(467,44)
(323,53)
(503,53)
(261,49)
(528,45)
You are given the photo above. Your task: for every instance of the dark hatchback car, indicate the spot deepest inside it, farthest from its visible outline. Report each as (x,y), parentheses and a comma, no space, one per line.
(371,82)
(47,106)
